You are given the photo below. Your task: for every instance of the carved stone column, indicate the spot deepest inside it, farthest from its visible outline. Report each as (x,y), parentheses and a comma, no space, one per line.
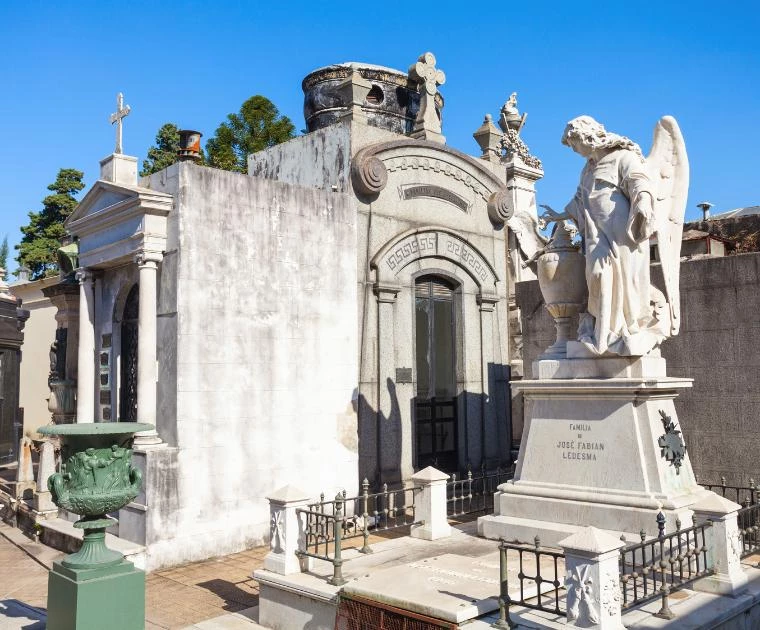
(147,376)
(394,442)
(489,443)
(86,351)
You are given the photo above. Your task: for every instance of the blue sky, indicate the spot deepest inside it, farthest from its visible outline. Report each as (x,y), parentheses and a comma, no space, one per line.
(192,63)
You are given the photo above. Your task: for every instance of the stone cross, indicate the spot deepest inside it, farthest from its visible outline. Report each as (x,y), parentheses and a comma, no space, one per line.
(121,112)
(424,72)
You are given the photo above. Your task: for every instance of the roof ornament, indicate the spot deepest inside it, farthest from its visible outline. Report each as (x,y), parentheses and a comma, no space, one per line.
(122,111)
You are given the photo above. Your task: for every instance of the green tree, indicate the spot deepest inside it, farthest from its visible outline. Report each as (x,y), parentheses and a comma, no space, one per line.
(42,236)
(4,255)
(257,126)
(164,152)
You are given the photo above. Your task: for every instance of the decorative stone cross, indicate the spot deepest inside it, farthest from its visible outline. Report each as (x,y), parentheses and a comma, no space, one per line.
(121,112)
(424,72)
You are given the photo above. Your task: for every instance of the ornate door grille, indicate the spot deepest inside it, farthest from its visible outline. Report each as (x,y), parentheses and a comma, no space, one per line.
(128,380)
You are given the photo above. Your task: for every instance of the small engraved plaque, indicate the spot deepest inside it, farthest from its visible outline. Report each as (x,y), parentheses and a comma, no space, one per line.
(106,342)
(106,413)
(403,375)
(105,397)
(104,379)
(103,358)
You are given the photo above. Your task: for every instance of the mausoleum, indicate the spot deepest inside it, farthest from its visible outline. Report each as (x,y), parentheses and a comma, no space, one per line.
(341,312)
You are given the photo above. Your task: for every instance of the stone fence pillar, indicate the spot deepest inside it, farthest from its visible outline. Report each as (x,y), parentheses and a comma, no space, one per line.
(43,501)
(724,546)
(430,505)
(593,579)
(286,532)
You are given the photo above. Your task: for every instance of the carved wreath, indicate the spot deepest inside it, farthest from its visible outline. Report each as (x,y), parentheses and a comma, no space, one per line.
(672,446)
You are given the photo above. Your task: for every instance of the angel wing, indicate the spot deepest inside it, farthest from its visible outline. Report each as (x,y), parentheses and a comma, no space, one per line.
(524,223)
(669,170)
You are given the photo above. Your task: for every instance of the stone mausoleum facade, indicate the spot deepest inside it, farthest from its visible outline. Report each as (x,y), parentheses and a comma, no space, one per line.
(340,312)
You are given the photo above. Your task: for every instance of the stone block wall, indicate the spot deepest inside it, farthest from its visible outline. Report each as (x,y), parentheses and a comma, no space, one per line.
(718,346)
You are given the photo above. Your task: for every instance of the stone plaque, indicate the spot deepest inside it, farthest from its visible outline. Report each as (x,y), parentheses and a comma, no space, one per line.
(415,191)
(106,341)
(105,397)
(404,375)
(104,358)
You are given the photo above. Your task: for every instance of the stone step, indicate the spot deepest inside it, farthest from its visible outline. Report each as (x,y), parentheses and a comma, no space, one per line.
(61,534)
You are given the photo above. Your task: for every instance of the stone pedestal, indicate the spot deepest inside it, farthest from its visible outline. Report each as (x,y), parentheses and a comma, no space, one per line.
(601,447)
(286,531)
(592,580)
(430,505)
(110,597)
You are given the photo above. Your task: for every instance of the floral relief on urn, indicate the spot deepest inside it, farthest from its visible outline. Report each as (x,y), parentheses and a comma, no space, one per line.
(562,279)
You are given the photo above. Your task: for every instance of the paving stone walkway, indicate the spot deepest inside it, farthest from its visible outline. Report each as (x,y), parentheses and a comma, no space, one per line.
(189,595)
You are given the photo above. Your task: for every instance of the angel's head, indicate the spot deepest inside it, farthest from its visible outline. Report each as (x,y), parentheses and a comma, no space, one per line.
(586,136)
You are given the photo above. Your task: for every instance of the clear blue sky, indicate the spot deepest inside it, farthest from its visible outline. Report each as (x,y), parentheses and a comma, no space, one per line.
(194,62)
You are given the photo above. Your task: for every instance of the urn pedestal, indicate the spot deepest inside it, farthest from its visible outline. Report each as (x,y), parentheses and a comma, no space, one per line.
(95,587)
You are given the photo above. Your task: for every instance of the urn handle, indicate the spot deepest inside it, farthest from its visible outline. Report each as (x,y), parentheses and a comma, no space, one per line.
(135,479)
(57,488)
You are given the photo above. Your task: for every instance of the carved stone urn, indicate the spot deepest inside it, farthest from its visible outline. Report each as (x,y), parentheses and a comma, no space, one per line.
(97,477)
(562,278)
(62,401)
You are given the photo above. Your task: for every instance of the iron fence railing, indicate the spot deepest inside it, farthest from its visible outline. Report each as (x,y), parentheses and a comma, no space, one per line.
(328,524)
(657,567)
(471,494)
(748,519)
(739,494)
(547,595)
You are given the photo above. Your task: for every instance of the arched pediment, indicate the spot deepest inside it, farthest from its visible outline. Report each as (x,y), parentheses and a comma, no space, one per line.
(372,165)
(433,242)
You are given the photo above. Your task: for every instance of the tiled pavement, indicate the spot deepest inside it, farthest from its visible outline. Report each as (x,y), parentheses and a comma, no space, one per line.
(174,598)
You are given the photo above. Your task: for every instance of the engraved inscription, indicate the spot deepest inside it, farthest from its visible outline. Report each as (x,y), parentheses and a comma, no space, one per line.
(582,448)
(435,192)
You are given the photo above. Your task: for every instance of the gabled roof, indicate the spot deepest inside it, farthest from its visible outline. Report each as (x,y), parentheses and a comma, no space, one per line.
(109,198)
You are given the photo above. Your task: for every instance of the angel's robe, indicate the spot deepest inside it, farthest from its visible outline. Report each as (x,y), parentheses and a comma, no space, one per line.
(616,230)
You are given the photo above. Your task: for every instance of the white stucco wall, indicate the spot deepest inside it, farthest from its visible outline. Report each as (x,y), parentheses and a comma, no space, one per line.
(39,333)
(266,365)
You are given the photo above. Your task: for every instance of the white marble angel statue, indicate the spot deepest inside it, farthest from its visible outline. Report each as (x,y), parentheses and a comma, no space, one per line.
(622,201)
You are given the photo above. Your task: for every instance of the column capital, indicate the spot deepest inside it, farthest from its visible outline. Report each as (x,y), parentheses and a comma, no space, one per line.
(83,275)
(487,301)
(147,258)
(386,292)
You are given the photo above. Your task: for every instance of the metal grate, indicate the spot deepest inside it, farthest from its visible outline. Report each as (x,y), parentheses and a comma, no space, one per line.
(359,614)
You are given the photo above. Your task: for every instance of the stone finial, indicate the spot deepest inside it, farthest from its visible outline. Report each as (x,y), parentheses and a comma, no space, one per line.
(428,77)
(122,111)
(511,123)
(489,139)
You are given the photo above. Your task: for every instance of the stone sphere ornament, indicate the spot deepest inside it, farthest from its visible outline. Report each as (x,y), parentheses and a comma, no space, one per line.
(97,477)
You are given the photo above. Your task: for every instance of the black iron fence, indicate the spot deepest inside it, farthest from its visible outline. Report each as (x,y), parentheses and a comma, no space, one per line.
(473,493)
(327,525)
(738,494)
(657,567)
(530,576)
(748,519)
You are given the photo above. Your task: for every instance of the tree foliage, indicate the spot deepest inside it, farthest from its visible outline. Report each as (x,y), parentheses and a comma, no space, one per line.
(4,255)
(164,152)
(257,126)
(42,236)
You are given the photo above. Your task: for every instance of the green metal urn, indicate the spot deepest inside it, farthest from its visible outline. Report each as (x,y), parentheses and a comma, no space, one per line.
(96,587)
(97,477)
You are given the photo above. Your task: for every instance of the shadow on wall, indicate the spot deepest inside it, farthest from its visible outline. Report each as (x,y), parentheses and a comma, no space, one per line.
(472,431)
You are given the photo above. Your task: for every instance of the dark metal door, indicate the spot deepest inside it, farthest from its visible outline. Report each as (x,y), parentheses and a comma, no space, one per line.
(128,376)
(435,402)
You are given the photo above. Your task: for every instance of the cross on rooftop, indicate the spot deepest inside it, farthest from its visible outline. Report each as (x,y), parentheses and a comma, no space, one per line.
(121,112)
(424,71)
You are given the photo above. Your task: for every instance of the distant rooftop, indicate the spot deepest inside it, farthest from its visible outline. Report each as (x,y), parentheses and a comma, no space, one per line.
(737,212)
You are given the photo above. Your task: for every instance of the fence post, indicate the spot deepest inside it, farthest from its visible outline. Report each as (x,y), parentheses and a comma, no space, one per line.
(724,546)
(286,531)
(430,505)
(593,579)
(337,578)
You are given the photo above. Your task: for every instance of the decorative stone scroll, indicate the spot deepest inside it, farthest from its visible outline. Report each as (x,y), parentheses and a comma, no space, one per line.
(438,243)
(371,166)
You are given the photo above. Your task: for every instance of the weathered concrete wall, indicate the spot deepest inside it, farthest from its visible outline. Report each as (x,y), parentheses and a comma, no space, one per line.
(264,302)
(39,333)
(718,346)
